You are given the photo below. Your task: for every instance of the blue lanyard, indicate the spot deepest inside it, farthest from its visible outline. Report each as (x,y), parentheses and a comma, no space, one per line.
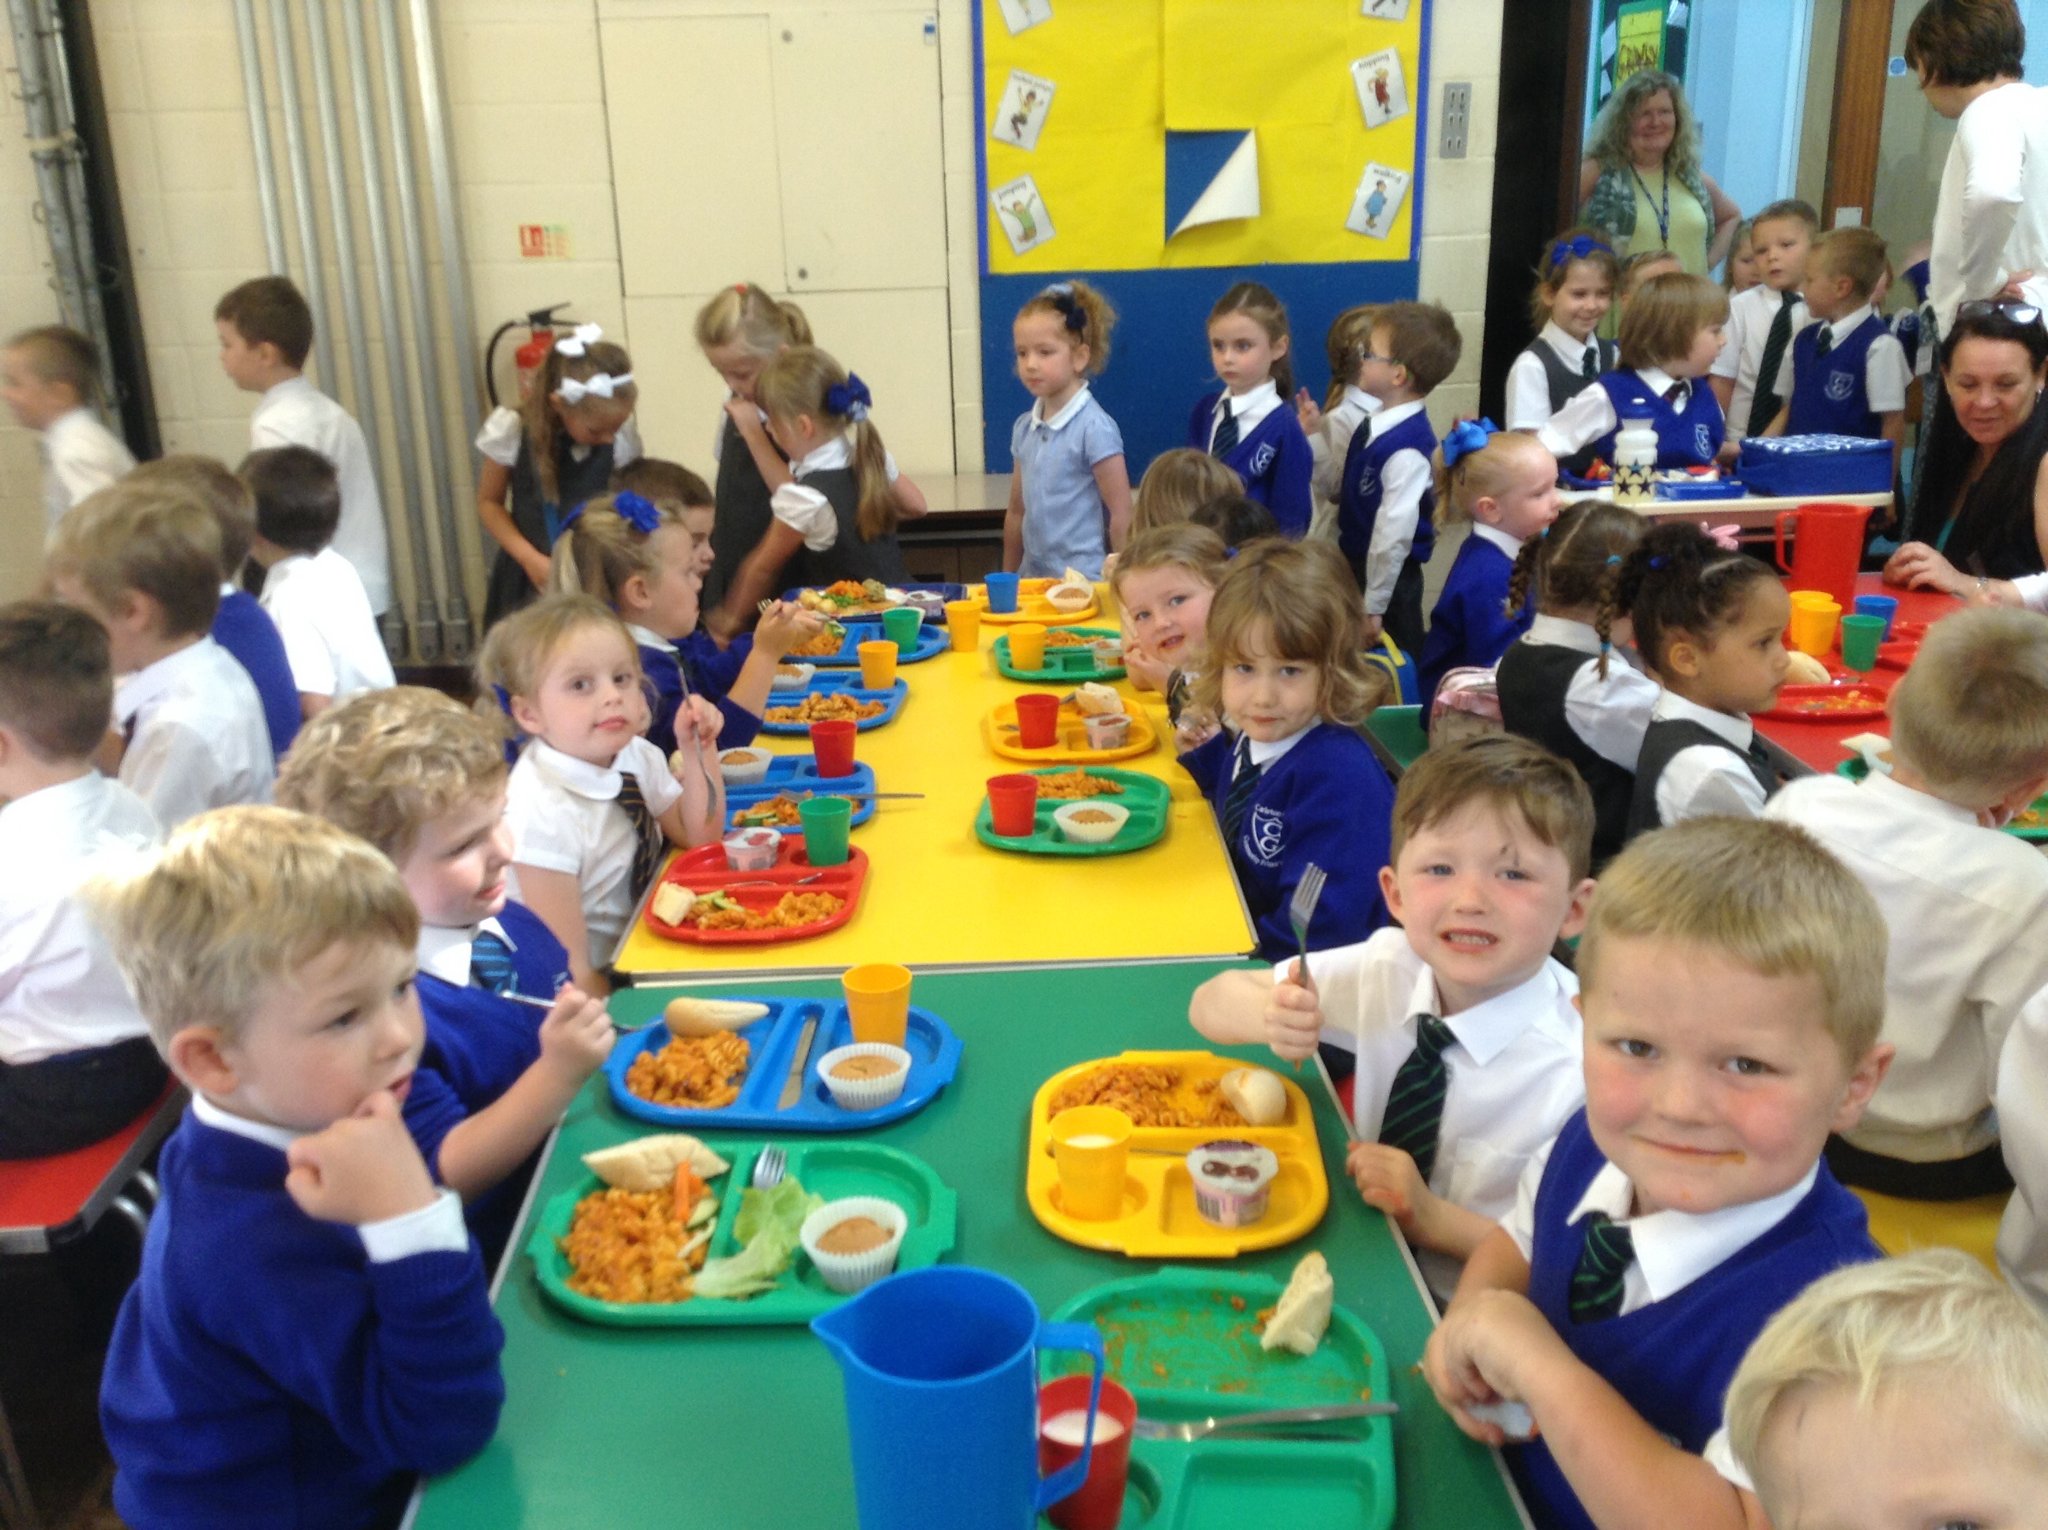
(1664,208)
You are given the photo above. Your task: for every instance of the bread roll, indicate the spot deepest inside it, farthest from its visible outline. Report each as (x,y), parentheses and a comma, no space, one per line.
(1095,700)
(671,902)
(1302,1315)
(1805,669)
(1257,1095)
(700,1017)
(649,1163)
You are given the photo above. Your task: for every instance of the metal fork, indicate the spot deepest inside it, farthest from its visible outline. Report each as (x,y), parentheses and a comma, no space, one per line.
(1264,1422)
(1301,908)
(769,1168)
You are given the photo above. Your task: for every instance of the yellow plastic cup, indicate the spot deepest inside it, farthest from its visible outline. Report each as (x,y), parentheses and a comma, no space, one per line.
(1091,1144)
(1027,646)
(877,1001)
(963,624)
(1812,598)
(878,664)
(1813,627)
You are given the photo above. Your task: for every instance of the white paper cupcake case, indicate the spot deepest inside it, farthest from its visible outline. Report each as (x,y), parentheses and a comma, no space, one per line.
(864,1093)
(848,1273)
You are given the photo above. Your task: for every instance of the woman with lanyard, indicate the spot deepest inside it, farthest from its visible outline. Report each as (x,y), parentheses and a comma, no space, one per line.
(1980,512)
(1641,181)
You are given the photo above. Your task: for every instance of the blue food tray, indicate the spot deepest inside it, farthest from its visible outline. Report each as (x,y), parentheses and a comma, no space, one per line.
(827,682)
(1706,488)
(1816,465)
(799,773)
(867,629)
(934,1058)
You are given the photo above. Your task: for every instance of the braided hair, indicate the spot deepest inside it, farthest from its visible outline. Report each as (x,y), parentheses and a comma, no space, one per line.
(1678,580)
(1577,562)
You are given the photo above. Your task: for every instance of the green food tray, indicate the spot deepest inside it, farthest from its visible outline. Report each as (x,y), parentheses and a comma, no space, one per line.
(1066,663)
(1856,770)
(1184,1343)
(1147,798)
(831,1169)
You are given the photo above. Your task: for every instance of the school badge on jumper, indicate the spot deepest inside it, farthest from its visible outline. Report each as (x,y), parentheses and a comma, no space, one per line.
(1263,458)
(1265,829)
(1841,387)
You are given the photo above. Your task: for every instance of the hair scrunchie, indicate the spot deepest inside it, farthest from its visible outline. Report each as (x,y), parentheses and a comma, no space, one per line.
(1577,249)
(850,398)
(1466,437)
(1072,314)
(637,511)
(579,340)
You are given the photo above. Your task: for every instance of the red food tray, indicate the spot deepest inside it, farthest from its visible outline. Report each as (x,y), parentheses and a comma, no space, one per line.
(704,871)
(1796,703)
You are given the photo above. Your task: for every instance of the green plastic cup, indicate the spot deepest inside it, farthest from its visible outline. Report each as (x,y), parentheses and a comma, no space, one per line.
(826,821)
(901,625)
(1861,633)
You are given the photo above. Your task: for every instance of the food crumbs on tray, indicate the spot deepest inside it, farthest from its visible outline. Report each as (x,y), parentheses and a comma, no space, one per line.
(1237,1303)
(1365,1394)
(1159,1369)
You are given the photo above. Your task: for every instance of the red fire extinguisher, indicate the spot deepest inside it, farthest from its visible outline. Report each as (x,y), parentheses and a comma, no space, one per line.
(528,359)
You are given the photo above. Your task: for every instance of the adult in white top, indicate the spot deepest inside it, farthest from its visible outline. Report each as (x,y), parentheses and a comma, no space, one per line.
(330,633)
(1704,780)
(1328,444)
(295,413)
(2021,1099)
(1750,316)
(1529,385)
(80,457)
(196,738)
(1965,906)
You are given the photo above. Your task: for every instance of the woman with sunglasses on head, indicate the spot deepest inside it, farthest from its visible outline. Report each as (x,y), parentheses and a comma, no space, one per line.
(1980,513)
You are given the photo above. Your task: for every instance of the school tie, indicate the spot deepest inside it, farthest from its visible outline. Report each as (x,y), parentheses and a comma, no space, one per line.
(1603,1264)
(1242,785)
(490,963)
(1226,432)
(1589,369)
(1823,341)
(1415,1103)
(647,833)
(1177,689)
(1763,404)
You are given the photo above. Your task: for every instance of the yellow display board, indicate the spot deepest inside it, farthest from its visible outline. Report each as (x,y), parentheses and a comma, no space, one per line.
(1128,75)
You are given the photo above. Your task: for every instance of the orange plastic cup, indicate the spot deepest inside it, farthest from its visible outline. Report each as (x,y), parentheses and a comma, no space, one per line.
(1091,1145)
(1813,627)
(1027,646)
(878,664)
(963,625)
(1811,598)
(877,1001)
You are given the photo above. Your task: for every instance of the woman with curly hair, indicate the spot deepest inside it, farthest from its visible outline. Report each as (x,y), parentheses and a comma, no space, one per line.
(1641,181)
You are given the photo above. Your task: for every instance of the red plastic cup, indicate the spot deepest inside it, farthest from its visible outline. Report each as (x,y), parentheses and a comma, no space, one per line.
(1099,1502)
(1013,804)
(1038,719)
(832,743)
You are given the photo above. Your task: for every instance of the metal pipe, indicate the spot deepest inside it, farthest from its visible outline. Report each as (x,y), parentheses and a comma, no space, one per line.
(344,230)
(64,106)
(426,346)
(426,610)
(46,148)
(426,53)
(259,132)
(302,189)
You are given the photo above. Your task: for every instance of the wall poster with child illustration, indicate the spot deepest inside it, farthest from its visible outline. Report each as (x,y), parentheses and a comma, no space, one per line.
(1193,140)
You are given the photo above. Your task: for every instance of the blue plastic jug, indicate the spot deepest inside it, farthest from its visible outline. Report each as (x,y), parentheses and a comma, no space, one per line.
(942,1399)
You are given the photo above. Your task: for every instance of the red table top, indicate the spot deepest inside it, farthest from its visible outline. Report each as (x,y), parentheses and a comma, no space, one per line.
(1819,744)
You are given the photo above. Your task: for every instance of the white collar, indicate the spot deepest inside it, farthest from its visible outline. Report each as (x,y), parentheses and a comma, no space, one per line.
(444,950)
(1068,410)
(600,783)
(1512,546)
(1659,381)
(1736,730)
(1259,401)
(48,809)
(1559,632)
(1388,416)
(1907,799)
(153,681)
(70,420)
(1846,325)
(1675,1248)
(835,453)
(647,639)
(291,385)
(1570,351)
(265,1132)
(1264,754)
(1486,1029)
(1358,397)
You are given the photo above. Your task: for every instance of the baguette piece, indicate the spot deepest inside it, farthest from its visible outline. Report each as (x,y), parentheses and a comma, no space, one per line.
(1302,1316)
(701,1017)
(649,1163)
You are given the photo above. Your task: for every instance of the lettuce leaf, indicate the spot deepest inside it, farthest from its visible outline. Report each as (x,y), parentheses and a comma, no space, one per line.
(766,1227)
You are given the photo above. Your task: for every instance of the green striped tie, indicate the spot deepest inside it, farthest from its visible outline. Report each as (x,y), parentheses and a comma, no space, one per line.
(648,840)
(1415,1105)
(1603,1266)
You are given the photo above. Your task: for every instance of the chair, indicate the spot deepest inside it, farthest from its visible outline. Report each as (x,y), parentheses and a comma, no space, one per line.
(1900,1226)
(1397,737)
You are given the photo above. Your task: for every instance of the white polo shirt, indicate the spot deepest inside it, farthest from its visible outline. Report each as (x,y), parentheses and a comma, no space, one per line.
(197,738)
(295,413)
(1750,316)
(1702,781)
(80,457)
(2021,1095)
(329,631)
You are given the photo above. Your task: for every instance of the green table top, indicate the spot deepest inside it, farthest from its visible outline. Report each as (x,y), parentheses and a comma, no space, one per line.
(745,1427)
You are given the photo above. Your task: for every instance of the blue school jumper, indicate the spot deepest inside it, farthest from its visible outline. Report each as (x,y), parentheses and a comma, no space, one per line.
(1830,394)
(1066,525)
(1358,502)
(264,1372)
(696,664)
(245,629)
(1671,1360)
(1327,801)
(1687,437)
(1273,458)
(1470,623)
(478,1044)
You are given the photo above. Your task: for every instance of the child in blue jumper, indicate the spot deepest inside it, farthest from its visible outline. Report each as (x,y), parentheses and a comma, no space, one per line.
(1292,782)
(311,1325)
(1250,424)
(1505,484)
(1388,493)
(1070,491)
(1671,331)
(1732,982)
(1849,371)
(509,1041)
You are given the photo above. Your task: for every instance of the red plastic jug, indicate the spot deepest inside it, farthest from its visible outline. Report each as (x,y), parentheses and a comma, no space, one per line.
(1827,547)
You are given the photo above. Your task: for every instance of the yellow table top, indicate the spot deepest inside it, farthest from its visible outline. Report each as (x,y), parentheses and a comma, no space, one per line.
(938,898)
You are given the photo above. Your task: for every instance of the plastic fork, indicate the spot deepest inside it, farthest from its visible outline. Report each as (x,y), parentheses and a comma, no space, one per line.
(1272,1419)
(769,1168)
(1301,909)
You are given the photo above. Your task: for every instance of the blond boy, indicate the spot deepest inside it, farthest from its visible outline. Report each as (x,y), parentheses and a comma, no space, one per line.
(311,1325)
(1748,375)
(1895,1396)
(1846,373)
(50,379)
(1965,903)
(144,561)
(1731,983)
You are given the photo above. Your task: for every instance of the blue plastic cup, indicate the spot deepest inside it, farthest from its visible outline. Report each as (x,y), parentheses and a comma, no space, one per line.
(1002,592)
(1885,606)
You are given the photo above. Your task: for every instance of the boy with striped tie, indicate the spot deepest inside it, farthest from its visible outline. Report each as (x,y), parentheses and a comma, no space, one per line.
(1464,1027)
(1732,983)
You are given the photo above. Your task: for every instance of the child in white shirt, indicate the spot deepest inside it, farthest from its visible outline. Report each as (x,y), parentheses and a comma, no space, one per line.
(266,329)
(50,380)
(1763,320)
(311,591)
(1575,282)
(143,560)
(1465,1027)
(1345,408)
(76,1061)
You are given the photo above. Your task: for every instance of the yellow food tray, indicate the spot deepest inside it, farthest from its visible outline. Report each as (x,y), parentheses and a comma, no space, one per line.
(1159,1218)
(999,727)
(1032,606)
